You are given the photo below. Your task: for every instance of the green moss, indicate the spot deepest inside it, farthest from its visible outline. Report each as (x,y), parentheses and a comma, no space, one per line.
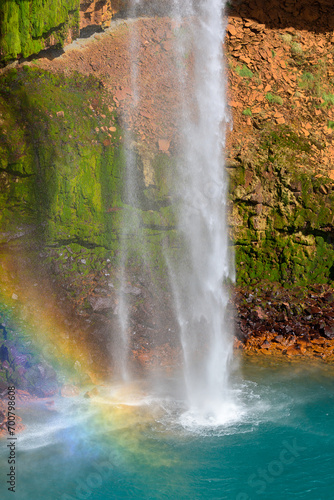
(286,37)
(247,112)
(285,137)
(328,100)
(26,26)
(71,175)
(243,71)
(289,236)
(296,48)
(53,157)
(274,99)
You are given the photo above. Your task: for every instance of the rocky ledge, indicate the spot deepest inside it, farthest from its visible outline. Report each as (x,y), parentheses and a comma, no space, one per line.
(275,321)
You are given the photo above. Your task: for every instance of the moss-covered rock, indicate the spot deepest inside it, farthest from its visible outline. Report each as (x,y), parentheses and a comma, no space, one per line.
(28,26)
(64,170)
(283,216)
(59,161)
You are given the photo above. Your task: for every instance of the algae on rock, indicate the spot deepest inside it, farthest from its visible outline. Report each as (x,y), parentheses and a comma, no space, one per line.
(63,163)
(283,216)
(29,26)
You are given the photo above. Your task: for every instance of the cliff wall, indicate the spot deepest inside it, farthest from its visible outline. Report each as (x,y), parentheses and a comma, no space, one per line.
(281,155)
(62,172)
(280,152)
(29,26)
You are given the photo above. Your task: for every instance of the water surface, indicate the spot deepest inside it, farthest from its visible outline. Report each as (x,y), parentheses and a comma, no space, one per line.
(278,442)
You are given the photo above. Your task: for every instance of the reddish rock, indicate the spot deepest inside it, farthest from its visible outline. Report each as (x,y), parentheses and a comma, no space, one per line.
(231,29)
(164,145)
(266,345)
(293,350)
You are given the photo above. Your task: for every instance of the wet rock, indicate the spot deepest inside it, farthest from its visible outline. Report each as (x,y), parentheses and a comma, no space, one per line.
(293,350)
(259,313)
(328,297)
(237,344)
(266,345)
(313,310)
(101,304)
(3,353)
(318,341)
(132,290)
(291,330)
(328,332)
(301,348)
(164,145)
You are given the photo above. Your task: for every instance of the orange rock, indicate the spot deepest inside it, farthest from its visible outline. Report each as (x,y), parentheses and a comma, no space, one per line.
(231,29)
(237,344)
(164,145)
(246,60)
(302,348)
(168,45)
(146,114)
(319,341)
(235,104)
(266,345)
(292,351)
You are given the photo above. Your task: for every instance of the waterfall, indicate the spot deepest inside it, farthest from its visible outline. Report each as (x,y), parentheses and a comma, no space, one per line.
(200,274)
(200,278)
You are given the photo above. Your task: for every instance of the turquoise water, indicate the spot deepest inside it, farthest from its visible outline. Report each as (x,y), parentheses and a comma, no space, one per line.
(279,444)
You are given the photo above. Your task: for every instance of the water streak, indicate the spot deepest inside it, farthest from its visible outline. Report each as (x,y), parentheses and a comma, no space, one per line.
(200,278)
(201,272)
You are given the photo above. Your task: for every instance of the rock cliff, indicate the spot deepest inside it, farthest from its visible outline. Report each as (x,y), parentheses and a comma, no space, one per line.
(62,163)
(280,151)
(28,27)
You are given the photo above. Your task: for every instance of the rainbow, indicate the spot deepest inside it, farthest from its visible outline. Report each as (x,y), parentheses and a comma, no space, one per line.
(40,324)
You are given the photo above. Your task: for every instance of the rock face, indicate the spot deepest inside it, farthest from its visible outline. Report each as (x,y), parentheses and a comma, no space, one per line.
(281,148)
(280,152)
(62,164)
(294,322)
(28,27)
(97,12)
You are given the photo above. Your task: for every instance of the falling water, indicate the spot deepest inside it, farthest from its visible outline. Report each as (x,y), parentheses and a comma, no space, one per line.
(200,274)
(200,282)
(130,223)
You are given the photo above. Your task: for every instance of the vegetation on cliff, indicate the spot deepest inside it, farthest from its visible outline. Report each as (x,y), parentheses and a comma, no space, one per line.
(281,84)
(66,128)
(28,26)
(62,167)
(59,160)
